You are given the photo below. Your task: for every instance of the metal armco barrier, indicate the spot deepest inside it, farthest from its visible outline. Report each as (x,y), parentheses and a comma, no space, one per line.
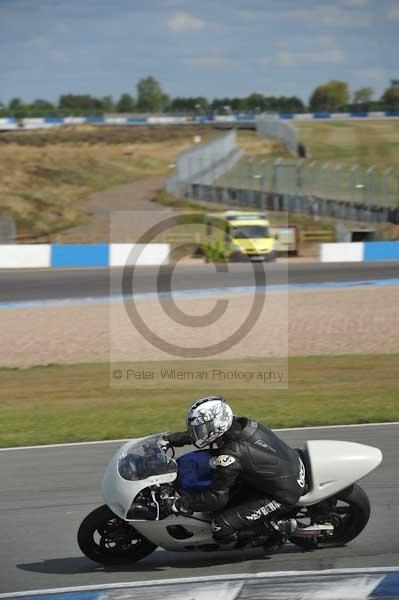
(312,205)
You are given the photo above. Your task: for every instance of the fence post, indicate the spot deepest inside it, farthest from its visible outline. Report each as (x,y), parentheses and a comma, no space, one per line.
(324,176)
(312,169)
(385,175)
(249,173)
(263,194)
(200,169)
(335,183)
(368,187)
(261,170)
(237,176)
(353,177)
(274,175)
(298,168)
(256,177)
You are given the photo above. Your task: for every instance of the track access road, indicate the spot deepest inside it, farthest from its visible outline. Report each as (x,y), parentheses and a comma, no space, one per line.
(46,492)
(60,284)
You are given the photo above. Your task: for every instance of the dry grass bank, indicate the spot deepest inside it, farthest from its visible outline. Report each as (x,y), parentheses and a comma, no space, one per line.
(46,176)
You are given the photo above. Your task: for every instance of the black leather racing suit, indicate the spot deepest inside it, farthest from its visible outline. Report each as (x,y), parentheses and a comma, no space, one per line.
(271,475)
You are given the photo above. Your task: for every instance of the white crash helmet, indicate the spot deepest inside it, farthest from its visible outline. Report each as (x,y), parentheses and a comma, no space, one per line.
(208,419)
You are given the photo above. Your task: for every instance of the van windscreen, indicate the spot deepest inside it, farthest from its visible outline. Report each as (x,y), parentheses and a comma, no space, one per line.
(250,231)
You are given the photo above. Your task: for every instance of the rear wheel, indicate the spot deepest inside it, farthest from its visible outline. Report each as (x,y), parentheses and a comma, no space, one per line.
(109,540)
(348,512)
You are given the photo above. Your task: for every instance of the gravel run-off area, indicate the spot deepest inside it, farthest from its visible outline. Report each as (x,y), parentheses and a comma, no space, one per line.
(362,320)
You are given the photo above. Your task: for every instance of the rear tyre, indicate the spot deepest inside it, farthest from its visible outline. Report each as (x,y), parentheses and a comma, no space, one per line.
(349,515)
(109,540)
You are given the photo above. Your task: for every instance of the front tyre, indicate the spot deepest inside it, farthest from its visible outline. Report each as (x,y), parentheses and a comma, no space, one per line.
(349,513)
(109,540)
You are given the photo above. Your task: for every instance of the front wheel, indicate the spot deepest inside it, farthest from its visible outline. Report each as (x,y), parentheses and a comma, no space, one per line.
(109,540)
(349,513)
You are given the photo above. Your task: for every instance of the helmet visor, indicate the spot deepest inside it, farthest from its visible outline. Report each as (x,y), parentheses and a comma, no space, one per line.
(201,432)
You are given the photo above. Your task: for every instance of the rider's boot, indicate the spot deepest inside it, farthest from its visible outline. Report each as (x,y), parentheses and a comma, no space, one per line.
(280,533)
(287,526)
(223,533)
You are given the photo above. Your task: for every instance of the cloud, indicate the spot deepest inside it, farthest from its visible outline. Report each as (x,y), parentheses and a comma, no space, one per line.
(355,3)
(182,22)
(393,14)
(373,74)
(305,41)
(248,15)
(212,63)
(58,57)
(332,16)
(38,42)
(288,58)
(61,27)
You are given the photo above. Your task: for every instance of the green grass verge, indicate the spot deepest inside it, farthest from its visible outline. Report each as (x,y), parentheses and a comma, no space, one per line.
(73,403)
(356,142)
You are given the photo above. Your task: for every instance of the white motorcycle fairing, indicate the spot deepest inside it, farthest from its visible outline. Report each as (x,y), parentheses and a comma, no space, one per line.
(119,492)
(160,532)
(332,466)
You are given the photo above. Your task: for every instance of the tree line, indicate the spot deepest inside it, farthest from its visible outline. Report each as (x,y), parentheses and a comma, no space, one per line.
(333,96)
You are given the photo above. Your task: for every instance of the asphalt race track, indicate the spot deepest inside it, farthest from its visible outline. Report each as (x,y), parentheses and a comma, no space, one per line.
(58,284)
(45,493)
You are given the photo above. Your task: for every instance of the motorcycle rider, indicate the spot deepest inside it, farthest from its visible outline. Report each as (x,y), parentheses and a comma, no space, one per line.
(247,453)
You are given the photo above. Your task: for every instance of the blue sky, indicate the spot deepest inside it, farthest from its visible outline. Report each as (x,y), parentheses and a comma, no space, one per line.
(213,48)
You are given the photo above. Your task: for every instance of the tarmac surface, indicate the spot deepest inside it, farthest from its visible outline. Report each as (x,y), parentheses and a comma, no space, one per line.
(46,492)
(56,284)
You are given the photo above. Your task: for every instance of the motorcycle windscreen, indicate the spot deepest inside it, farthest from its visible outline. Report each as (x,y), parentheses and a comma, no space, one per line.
(143,460)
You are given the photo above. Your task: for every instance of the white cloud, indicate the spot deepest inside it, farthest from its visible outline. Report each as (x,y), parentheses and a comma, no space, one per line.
(58,57)
(38,42)
(355,3)
(287,58)
(330,16)
(212,63)
(393,14)
(306,41)
(182,22)
(248,15)
(61,27)
(373,74)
